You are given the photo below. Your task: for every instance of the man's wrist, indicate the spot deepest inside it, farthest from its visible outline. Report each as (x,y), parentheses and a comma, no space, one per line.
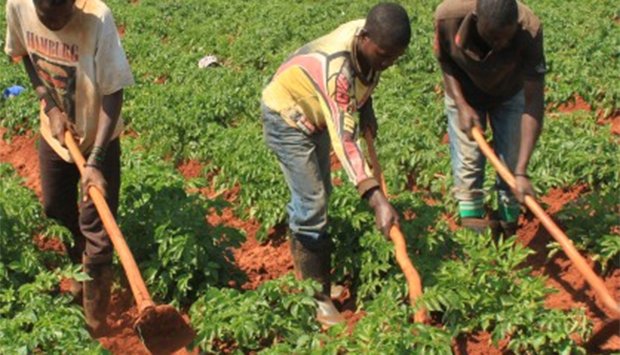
(96,157)
(373,196)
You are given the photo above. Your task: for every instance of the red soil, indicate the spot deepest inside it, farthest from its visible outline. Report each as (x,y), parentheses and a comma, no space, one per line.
(577,103)
(445,139)
(260,262)
(190,169)
(121,338)
(615,125)
(267,261)
(121,31)
(478,343)
(572,289)
(21,152)
(162,79)
(613,120)
(49,244)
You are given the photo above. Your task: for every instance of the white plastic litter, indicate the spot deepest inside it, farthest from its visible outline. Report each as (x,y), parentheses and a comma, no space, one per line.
(208,61)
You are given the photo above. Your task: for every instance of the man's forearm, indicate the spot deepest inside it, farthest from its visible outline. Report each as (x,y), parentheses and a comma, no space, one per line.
(108,118)
(40,89)
(531,123)
(38,86)
(453,87)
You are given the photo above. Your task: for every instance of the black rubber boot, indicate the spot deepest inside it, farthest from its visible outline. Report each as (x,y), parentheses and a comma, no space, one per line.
(97,295)
(75,253)
(316,265)
(508,228)
(481,225)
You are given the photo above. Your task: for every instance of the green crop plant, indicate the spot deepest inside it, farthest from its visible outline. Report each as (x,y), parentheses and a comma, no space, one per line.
(485,288)
(590,222)
(34,318)
(180,254)
(278,311)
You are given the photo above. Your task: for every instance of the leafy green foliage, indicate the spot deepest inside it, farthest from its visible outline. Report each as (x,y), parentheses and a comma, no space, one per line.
(590,221)
(278,311)
(33,318)
(212,115)
(485,288)
(565,159)
(180,254)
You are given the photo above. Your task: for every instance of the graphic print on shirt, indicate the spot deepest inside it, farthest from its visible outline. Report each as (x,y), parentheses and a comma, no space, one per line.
(59,78)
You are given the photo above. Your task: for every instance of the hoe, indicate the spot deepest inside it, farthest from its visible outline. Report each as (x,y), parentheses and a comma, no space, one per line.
(567,245)
(161,327)
(411,274)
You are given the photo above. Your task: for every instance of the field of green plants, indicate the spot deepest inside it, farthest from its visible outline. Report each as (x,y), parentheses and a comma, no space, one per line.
(178,112)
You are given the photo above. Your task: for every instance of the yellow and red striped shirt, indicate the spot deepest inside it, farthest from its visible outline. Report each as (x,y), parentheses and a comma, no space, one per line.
(321,86)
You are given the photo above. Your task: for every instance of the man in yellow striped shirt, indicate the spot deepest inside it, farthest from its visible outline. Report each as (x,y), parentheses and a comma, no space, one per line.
(309,107)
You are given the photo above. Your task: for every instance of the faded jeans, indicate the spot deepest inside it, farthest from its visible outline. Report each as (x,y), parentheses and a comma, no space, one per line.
(467,159)
(304,160)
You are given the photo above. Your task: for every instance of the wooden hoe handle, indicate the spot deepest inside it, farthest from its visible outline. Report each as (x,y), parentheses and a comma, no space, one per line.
(567,245)
(411,274)
(138,288)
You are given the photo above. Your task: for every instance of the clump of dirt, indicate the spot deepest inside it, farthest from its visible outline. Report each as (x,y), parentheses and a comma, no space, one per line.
(49,244)
(161,79)
(21,152)
(121,31)
(163,329)
(576,103)
(478,343)
(613,120)
(190,169)
(445,140)
(259,261)
(352,319)
(121,338)
(615,125)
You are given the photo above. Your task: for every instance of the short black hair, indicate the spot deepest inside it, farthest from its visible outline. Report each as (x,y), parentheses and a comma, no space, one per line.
(387,24)
(498,13)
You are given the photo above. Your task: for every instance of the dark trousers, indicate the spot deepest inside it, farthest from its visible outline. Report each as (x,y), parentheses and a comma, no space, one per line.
(59,182)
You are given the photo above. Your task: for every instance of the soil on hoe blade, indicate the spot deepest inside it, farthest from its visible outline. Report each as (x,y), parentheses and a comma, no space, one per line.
(162,329)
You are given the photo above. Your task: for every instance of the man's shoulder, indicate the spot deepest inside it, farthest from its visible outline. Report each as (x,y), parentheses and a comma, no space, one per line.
(352,25)
(337,41)
(19,4)
(528,20)
(96,8)
(344,33)
(454,9)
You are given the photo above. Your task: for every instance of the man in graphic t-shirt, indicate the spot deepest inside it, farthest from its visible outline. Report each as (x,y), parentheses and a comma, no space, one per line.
(309,107)
(493,64)
(73,56)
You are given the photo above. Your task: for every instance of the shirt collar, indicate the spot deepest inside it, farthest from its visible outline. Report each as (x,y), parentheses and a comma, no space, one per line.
(463,39)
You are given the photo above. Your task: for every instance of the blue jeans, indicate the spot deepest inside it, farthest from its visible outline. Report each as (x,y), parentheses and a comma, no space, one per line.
(304,160)
(467,158)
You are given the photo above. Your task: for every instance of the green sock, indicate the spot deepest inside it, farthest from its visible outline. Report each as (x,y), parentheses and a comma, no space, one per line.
(509,212)
(471,209)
